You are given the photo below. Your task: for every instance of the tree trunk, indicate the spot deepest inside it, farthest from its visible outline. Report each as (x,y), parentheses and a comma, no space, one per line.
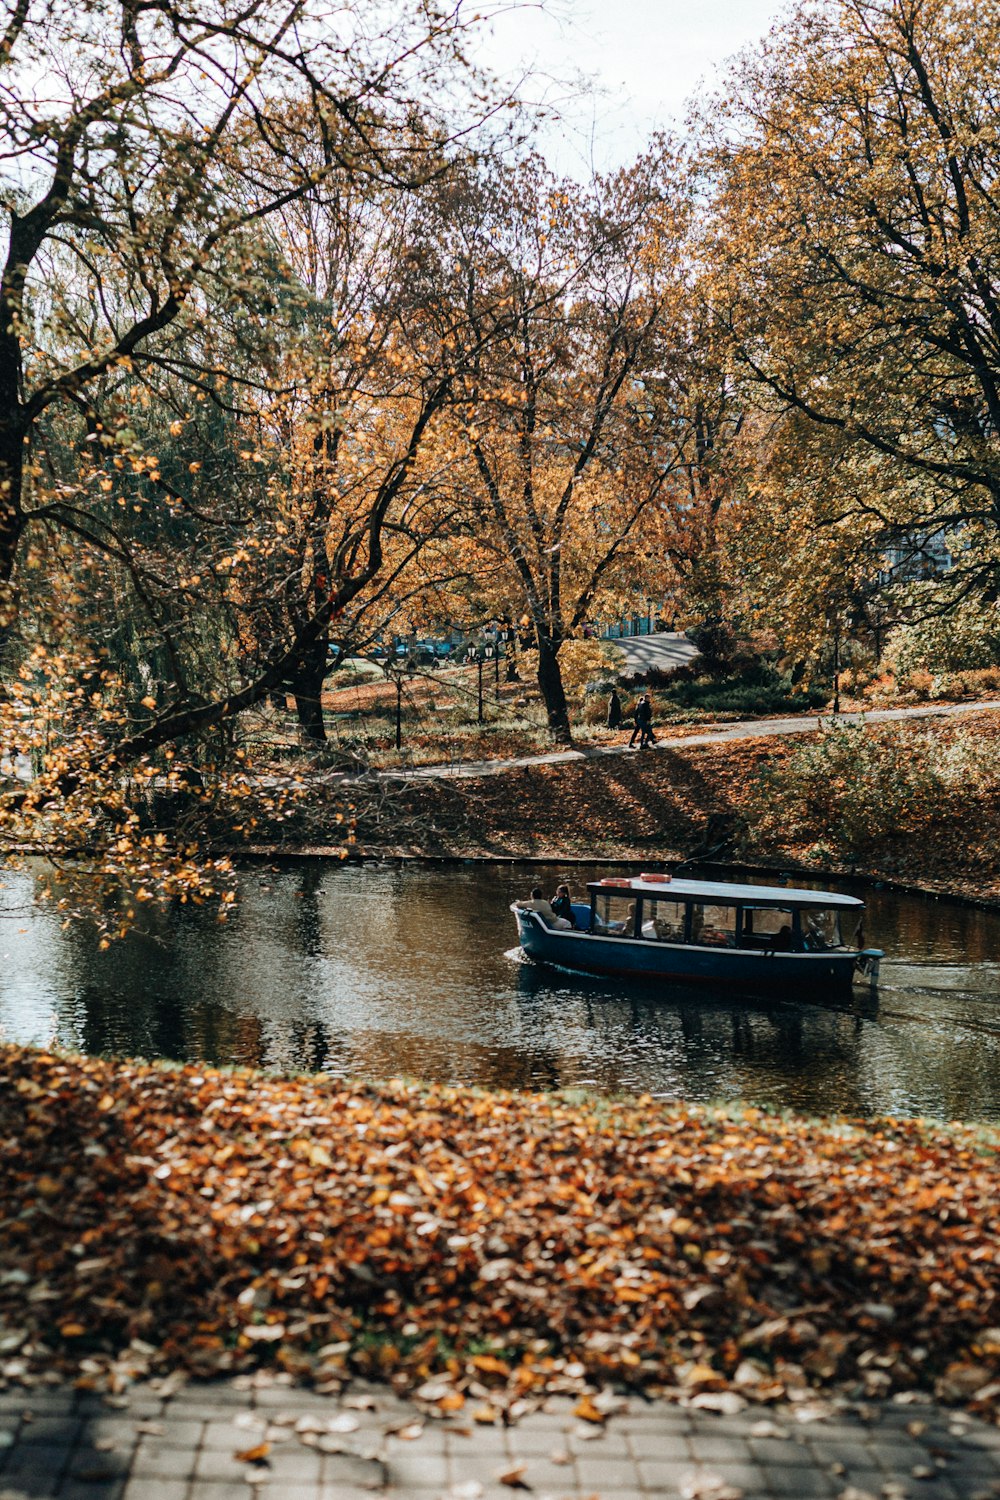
(307,689)
(550,685)
(11,482)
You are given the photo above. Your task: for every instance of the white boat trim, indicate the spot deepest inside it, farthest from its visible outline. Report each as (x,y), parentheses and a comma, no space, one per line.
(720,893)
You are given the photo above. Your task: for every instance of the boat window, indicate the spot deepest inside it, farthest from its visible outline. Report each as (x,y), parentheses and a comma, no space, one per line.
(768,927)
(663,920)
(713,926)
(614,912)
(821,929)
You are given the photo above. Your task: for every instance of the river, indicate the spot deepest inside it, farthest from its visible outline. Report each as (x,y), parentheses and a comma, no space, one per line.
(369,972)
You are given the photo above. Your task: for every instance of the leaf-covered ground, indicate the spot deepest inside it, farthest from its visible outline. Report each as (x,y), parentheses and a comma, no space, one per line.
(495,1245)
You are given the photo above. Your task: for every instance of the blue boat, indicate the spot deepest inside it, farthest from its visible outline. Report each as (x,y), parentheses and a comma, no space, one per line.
(757,938)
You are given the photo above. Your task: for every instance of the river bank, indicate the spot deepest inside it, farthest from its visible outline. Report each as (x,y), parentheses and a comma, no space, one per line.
(505,1245)
(679,803)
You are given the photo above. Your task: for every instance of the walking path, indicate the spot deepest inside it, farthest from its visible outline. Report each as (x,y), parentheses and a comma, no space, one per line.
(742,729)
(233,1440)
(662,651)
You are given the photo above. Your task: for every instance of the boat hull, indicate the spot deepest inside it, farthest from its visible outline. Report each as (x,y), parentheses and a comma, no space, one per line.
(755,971)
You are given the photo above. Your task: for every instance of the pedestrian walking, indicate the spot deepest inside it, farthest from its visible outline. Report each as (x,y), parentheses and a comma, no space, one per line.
(643,722)
(616,717)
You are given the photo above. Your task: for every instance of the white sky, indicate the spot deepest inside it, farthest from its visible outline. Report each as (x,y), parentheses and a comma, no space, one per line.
(647,57)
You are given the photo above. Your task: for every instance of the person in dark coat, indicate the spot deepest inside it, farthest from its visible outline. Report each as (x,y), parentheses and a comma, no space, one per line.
(562,904)
(643,723)
(615,716)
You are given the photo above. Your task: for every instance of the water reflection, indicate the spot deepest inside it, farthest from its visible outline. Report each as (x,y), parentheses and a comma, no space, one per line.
(378,972)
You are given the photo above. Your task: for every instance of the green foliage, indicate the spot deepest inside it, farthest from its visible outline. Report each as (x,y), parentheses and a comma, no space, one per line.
(722,651)
(853,789)
(967,638)
(756,689)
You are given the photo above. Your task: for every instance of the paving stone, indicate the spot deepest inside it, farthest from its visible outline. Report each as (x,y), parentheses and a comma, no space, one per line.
(223,1435)
(292,1398)
(930,1489)
(48,1403)
(897,1456)
(296,1465)
(744,1476)
(92,1466)
(608,1445)
(27,1486)
(806,1483)
(981,1462)
(649,1445)
(495,1440)
(720,1449)
(133,1409)
(156,1489)
(177,1434)
(25,1460)
(547,1420)
(417,1470)
(605,1473)
(158,1460)
(105,1489)
(542,1441)
(665,1419)
(663,1474)
(350,1492)
(432,1440)
(541,1474)
(348,1470)
(208,1490)
(118,1430)
(486,1466)
(211,1463)
(283,1489)
(501,1492)
(780,1451)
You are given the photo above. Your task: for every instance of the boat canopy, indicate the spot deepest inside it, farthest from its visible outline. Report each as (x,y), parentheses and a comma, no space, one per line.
(722,893)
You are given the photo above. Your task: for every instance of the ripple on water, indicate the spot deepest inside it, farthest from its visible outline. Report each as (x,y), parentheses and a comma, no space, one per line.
(378,972)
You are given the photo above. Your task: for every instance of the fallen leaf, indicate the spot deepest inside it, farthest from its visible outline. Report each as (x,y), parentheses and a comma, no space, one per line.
(255,1455)
(514,1478)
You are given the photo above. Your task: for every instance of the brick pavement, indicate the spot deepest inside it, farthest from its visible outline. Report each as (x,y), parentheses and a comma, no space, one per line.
(151,1445)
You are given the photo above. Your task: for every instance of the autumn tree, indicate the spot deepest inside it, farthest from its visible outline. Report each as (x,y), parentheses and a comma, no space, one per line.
(855,249)
(144,146)
(154,336)
(569,427)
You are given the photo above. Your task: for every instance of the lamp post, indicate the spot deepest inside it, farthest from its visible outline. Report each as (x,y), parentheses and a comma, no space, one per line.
(479,665)
(834,618)
(395,673)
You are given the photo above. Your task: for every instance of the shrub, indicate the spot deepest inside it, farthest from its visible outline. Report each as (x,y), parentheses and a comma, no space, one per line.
(969,684)
(854,789)
(967,638)
(758,689)
(722,650)
(919,683)
(586,661)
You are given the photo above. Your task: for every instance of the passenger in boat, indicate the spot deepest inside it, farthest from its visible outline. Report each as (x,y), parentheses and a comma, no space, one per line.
(783,940)
(539,904)
(656,927)
(814,938)
(562,904)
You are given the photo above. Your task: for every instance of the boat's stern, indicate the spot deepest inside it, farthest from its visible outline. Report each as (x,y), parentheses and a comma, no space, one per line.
(867,964)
